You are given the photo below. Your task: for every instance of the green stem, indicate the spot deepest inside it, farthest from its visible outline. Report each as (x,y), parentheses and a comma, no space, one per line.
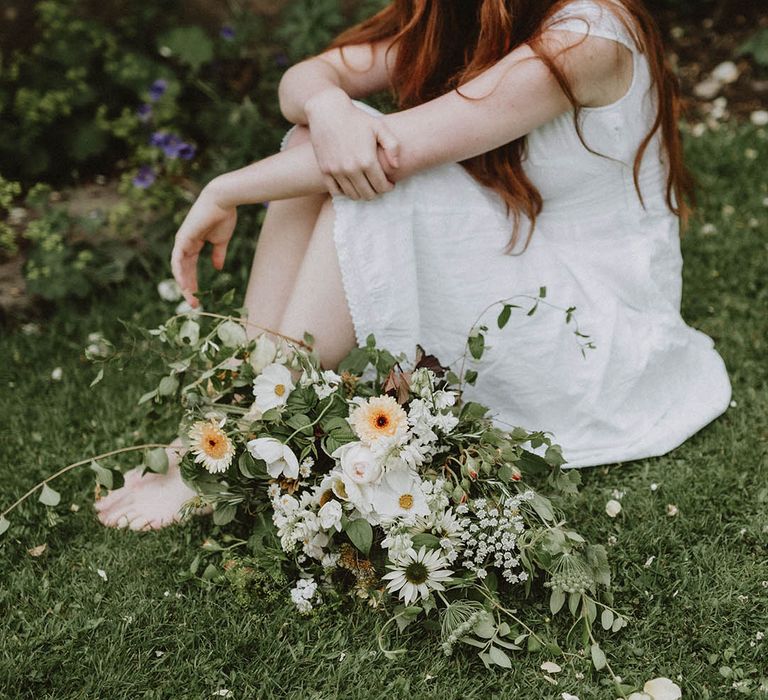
(74,465)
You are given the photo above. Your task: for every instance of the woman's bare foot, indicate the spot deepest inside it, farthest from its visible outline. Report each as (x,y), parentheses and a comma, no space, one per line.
(147,502)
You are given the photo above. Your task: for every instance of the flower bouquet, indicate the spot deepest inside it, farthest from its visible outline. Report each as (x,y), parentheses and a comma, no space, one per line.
(379,482)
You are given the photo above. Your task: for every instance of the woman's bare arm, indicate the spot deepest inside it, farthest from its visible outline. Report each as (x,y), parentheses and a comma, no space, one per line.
(507,101)
(359,71)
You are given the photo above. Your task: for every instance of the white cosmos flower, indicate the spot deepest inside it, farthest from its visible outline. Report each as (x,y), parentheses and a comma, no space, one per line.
(358,462)
(417,575)
(280,458)
(272,387)
(399,494)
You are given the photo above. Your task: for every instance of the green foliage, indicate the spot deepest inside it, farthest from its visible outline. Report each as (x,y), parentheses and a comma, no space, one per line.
(757,46)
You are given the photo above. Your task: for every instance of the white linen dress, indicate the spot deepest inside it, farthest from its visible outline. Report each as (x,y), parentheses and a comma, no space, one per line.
(421,262)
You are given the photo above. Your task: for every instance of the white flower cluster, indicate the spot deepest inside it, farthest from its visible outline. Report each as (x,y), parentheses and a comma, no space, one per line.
(323,383)
(296,523)
(490,536)
(304,594)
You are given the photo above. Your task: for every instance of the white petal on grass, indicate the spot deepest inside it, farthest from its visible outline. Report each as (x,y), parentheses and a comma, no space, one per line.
(663,689)
(102,574)
(613,508)
(550,667)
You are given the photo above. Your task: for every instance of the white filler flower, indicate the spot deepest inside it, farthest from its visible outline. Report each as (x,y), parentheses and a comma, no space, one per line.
(417,575)
(272,387)
(280,458)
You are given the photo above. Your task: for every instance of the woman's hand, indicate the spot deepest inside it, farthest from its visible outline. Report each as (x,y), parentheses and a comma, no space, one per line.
(207,222)
(346,142)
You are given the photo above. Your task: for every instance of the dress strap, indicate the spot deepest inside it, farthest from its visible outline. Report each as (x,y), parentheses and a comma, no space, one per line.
(593,18)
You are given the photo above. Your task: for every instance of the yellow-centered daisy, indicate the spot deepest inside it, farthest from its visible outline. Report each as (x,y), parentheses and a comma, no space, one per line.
(380,416)
(211,446)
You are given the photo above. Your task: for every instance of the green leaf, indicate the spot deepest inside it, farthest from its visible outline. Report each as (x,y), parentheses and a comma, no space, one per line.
(49,497)
(360,534)
(543,507)
(4,525)
(504,316)
(103,475)
(476,345)
(556,601)
(191,45)
(426,539)
(99,376)
(302,423)
(148,396)
(598,657)
(156,460)
(168,386)
(470,376)
(554,456)
(485,627)
(542,292)
(499,657)
(210,573)
(224,515)
(355,362)
(606,619)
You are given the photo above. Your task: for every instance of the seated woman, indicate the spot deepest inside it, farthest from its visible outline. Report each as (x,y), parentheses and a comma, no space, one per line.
(536,145)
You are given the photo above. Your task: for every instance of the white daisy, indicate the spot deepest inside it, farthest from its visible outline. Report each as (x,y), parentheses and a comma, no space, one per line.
(280,458)
(211,446)
(399,494)
(417,575)
(272,387)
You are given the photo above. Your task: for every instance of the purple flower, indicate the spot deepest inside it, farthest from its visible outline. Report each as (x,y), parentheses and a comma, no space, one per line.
(144,113)
(157,89)
(282,60)
(160,139)
(172,145)
(227,33)
(145,177)
(186,151)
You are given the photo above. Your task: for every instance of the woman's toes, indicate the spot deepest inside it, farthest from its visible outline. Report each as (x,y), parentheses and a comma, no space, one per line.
(139,523)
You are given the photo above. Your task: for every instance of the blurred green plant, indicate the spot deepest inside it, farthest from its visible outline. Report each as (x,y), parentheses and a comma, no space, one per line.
(757,46)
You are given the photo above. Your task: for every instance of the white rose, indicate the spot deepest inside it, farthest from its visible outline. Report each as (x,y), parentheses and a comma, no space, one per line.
(330,515)
(263,354)
(663,689)
(280,458)
(613,508)
(359,463)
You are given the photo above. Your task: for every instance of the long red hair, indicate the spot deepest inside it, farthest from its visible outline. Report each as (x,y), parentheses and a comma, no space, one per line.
(442,45)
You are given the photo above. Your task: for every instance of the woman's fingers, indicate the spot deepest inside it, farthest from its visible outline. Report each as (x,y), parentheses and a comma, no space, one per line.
(332,186)
(347,187)
(389,143)
(378,179)
(363,187)
(219,254)
(184,267)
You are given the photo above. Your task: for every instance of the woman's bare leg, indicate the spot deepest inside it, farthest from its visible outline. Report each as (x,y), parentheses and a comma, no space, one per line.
(318,303)
(280,250)
(153,501)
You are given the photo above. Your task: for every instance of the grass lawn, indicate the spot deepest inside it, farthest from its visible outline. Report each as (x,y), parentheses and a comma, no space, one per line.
(695,586)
